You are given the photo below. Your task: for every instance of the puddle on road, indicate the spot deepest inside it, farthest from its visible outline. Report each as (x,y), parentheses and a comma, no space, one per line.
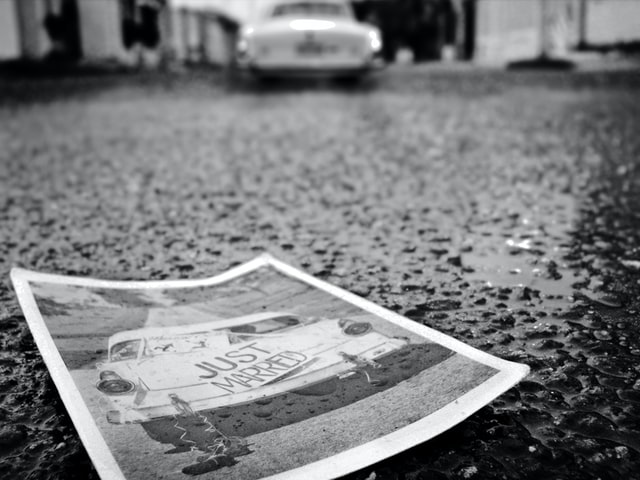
(577,337)
(501,268)
(529,253)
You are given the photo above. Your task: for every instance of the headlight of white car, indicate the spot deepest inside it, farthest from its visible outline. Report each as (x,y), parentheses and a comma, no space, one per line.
(375,41)
(113,384)
(242,45)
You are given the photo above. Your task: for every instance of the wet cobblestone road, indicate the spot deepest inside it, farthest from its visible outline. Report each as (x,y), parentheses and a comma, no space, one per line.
(500,208)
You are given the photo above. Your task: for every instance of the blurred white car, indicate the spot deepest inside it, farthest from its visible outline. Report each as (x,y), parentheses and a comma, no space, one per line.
(156,372)
(309,37)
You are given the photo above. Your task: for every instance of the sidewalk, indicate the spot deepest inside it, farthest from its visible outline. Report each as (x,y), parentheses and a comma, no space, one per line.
(608,62)
(582,62)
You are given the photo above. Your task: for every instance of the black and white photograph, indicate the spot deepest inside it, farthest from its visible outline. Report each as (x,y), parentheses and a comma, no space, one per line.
(320,239)
(215,379)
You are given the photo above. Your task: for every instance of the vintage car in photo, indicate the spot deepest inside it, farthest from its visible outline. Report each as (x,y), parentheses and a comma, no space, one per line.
(158,372)
(309,37)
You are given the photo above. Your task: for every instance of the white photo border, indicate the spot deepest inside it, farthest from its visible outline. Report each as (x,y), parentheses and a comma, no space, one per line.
(348,461)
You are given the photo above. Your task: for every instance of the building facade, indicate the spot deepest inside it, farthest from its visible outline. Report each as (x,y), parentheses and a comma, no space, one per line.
(508,30)
(9,31)
(68,29)
(488,31)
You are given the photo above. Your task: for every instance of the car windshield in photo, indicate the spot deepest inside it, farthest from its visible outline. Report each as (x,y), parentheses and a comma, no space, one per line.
(166,345)
(124,351)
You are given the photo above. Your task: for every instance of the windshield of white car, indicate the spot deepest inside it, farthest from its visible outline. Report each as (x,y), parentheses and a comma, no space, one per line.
(212,340)
(124,351)
(310,9)
(188,343)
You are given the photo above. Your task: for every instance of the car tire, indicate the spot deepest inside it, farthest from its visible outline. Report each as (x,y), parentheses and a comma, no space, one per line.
(353,80)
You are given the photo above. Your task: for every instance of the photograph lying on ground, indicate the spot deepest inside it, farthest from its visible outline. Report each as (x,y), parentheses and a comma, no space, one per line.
(262,371)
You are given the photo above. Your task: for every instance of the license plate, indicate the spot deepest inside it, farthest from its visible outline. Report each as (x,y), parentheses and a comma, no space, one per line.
(314,49)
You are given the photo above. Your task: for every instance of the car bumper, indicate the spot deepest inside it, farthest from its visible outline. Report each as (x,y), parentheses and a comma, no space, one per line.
(158,406)
(294,406)
(310,68)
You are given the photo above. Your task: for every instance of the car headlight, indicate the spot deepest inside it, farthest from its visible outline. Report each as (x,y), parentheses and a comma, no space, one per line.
(357,329)
(113,384)
(375,41)
(242,45)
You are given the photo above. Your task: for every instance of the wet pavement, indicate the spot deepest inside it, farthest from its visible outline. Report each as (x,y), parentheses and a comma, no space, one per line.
(500,208)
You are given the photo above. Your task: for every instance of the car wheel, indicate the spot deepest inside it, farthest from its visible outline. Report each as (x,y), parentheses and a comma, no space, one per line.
(264,79)
(350,80)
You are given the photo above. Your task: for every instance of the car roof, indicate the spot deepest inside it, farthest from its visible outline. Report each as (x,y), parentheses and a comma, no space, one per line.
(286,2)
(196,328)
(276,3)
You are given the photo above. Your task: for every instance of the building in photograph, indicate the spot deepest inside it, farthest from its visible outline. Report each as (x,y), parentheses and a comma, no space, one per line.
(124,31)
(500,31)
(611,21)
(204,31)
(9,32)
(507,30)
(66,29)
